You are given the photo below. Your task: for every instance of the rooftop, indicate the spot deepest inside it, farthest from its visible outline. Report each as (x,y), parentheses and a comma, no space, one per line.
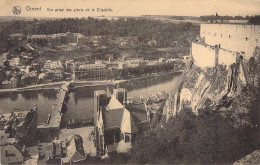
(128,125)
(251,159)
(113,118)
(85,133)
(75,150)
(114,103)
(13,150)
(16,35)
(38,36)
(5,116)
(138,112)
(82,66)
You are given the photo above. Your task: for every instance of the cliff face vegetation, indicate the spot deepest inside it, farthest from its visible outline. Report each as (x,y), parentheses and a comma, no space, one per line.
(212,116)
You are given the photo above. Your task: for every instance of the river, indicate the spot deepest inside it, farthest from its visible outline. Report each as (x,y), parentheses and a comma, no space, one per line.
(80,101)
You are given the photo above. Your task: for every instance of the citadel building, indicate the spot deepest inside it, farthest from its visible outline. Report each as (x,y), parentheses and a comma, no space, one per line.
(225,44)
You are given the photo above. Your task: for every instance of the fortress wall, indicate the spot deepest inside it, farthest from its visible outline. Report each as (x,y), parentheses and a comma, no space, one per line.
(226,57)
(233,37)
(203,55)
(207,56)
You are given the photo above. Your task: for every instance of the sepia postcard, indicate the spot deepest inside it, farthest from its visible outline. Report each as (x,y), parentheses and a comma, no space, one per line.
(130,82)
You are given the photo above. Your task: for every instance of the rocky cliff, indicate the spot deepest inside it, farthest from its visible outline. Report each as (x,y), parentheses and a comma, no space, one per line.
(210,117)
(219,89)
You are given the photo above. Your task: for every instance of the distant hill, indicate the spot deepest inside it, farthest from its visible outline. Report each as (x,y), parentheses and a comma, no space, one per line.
(11,18)
(17,18)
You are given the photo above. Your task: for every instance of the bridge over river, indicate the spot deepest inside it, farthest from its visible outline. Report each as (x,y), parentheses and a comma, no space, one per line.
(54,119)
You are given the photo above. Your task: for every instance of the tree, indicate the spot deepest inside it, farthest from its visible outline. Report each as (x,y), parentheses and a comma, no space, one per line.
(207,138)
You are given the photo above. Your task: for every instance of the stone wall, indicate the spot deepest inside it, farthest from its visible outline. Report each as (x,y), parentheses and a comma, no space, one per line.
(226,57)
(203,55)
(233,37)
(209,56)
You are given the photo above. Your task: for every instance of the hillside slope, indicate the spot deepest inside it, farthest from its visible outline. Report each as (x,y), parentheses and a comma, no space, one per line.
(212,116)
(218,89)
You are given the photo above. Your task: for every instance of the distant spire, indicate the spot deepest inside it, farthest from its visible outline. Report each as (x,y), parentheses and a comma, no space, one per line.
(216,14)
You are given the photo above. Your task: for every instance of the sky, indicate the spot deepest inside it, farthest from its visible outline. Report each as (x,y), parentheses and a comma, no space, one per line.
(130,7)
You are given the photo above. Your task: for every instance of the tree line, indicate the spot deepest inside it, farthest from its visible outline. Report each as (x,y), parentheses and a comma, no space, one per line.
(144,29)
(251,19)
(146,69)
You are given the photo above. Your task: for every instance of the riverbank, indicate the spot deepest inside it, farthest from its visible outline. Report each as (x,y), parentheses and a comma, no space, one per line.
(80,101)
(80,83)
(57,85)
(155,75)
(34,87)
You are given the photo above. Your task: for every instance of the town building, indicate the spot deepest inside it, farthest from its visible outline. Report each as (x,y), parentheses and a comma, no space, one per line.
(6,84)
(46,150)
(2,62)
(47,64)
(28,69)
(153,62)
(15,61)
(69,65)
(5,117)
(92,72)
(98,62)
(11,154)
(5,137)
(56,65)
(17,36)
(56,74)
(59,39)
(74,150)
(116,124)
(16,132)
(121,65)
(3,58)
(152,43)
(14,82)
(50,150)
(29,80)
(37,38)
(154,104)
(234,21)
(6,56)
(135,63)
(250,159)
(36,67)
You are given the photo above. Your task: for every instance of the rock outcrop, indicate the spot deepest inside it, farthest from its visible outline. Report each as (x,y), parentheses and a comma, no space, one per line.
(217,89)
